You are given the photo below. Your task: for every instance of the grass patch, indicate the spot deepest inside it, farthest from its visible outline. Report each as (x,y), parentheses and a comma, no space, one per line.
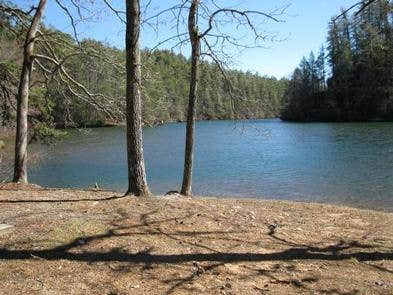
(74,229)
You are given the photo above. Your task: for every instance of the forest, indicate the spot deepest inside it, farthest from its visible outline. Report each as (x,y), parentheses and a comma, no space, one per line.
(352,79)
(242,95)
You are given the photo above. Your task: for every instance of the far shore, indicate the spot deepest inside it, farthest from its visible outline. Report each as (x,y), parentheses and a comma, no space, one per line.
(78,241)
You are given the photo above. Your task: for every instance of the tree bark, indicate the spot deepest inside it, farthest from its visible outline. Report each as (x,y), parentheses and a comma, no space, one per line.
(137,184)
(20,166)
(191,113)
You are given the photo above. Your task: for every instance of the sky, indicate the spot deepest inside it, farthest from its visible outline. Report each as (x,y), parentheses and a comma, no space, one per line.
(303,28)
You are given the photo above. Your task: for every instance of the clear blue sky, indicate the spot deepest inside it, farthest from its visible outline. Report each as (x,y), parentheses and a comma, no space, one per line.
(304,29)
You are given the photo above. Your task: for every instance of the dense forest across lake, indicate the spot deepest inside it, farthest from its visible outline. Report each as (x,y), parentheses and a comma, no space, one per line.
(348,80)
(353,79)
(237,95)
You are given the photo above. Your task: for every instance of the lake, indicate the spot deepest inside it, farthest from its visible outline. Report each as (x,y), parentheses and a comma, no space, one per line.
(340,163)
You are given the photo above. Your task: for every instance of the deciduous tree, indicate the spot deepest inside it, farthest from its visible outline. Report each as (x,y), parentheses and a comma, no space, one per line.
(137,184)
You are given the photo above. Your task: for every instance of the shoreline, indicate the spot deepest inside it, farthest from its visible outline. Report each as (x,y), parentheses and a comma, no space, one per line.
(9,186)
(95,241)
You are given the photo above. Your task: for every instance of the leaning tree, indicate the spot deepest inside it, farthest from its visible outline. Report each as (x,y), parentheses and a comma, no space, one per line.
(20,166)
(41,56)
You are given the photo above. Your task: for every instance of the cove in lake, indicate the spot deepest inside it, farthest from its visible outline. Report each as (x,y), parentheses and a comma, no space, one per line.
(344,163)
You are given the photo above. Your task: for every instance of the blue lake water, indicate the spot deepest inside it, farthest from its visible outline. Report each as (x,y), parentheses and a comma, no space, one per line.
(344,163)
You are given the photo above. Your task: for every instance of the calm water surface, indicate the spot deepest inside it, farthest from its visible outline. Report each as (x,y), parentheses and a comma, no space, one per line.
(346,163)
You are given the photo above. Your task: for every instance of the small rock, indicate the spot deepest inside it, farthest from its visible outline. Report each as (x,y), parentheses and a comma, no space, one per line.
(197,269)
(2,144)
(272,228)
(225,288)
(4,226)
(233,268)
(134,286)
(172,193)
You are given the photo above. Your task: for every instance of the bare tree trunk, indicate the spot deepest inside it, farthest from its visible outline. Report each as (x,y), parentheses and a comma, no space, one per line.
(20,166)
(137,184)
(191,113)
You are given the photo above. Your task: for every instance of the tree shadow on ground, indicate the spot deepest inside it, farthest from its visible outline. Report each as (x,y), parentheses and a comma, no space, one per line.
(216,260)
(62,252)
(294,252)
(115,197)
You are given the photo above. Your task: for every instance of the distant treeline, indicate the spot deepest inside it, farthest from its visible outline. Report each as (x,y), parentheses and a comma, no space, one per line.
(359,86)
(165,86)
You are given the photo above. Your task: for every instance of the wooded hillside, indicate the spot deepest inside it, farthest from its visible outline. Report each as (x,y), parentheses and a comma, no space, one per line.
(102,70)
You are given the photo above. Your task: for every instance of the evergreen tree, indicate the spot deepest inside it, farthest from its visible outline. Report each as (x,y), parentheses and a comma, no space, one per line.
(360,51)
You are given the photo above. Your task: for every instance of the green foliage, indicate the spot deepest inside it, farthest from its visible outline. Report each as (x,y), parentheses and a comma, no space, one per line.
(101,69)
(360,56)
(47,134)
(40,102)
(166,91)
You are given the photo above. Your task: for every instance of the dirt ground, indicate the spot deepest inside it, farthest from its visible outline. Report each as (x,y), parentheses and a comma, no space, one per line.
(95,242)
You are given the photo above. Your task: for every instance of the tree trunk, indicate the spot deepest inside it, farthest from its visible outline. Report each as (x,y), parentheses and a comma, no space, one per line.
(191,113)
(137,184)
(20,166)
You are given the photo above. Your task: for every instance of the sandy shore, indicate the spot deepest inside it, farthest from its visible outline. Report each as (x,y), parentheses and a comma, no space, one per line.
(94,242)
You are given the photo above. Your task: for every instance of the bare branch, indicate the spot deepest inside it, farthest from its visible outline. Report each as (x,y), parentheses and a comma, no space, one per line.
(363,4)
(117,12)
(246,14)
(67,11)
(170,9)
(177,36)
